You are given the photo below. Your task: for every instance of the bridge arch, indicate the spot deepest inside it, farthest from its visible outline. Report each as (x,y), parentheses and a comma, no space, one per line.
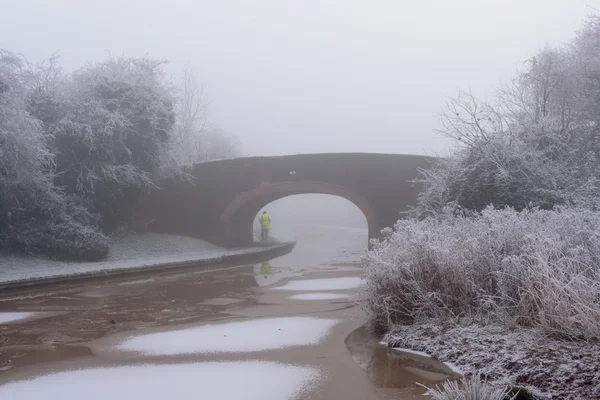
(238,217)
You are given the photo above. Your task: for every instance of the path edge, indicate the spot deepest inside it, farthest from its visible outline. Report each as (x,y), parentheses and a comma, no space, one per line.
(233,257)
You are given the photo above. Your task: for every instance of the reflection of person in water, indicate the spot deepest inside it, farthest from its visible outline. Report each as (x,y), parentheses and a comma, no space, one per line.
(265,269)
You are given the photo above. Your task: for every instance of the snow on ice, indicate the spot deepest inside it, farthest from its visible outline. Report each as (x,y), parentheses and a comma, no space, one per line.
(318,296)
(232,337)
(322,284)
(213,380)
(6,317)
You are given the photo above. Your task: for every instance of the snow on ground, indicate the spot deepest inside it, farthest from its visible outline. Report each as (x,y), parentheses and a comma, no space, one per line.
(560,369)
(322,284)
(233,337)
(126,252)
(319,296)
(6,317)
(134,247)
(253,380)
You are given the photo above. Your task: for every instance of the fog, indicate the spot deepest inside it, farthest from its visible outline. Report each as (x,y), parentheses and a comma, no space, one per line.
(311,76)
(296,216)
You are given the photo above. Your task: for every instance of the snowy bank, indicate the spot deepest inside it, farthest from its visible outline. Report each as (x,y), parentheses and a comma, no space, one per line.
(131,254)
(559,369)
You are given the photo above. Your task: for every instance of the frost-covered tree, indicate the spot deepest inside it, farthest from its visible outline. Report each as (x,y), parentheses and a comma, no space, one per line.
(35,216)
(76,148)
(118,115)
(24,156)
(193,140)
(46,100)
(537,144)
(215,144)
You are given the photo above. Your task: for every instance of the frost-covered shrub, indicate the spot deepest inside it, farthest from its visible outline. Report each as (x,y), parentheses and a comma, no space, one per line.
(49,223)
(64,239)
(469,389)
(505,173)
(533,268)
(516,392)
(65,230)
(72,240)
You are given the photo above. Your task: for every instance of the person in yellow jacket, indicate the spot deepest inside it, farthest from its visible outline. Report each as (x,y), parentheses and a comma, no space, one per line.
(265,223)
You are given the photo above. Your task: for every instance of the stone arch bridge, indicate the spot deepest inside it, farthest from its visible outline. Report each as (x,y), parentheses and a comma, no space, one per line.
(223,200)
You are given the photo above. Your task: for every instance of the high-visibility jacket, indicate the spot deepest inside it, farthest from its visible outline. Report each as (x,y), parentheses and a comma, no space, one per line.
(265,221)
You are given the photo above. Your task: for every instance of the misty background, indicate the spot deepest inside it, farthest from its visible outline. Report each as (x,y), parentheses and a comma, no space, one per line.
(222,79)
(297,215)
(313,76)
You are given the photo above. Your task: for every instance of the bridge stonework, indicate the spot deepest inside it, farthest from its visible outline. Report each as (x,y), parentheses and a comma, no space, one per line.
(223,200)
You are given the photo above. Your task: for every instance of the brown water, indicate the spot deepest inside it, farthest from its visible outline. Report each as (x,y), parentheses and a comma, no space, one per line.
(84,319)
(394,373)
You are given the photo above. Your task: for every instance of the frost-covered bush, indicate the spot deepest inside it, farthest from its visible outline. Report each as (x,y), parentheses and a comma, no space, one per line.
(59,228)
(471,388)
(501,172)
(532,268)
(68,239)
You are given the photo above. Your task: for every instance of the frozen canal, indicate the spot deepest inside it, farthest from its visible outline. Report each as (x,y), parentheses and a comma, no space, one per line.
(272,331)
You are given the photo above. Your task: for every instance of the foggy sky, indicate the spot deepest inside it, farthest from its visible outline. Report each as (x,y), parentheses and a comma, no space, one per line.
(314,75)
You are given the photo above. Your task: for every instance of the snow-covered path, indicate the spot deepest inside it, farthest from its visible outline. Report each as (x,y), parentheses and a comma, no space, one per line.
(132,252)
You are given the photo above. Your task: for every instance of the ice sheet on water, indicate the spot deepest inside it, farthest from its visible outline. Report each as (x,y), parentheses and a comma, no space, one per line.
(6,317)
(136,282)
(221,301)
(319,296)
(232,337)
(252,380)
(410,351)
(27,296)
(322,284)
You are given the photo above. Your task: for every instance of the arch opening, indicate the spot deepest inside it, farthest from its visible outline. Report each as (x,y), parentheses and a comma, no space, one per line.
(238,217)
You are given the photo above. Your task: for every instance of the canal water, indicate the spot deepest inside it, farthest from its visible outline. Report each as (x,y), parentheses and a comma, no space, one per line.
(287,328)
